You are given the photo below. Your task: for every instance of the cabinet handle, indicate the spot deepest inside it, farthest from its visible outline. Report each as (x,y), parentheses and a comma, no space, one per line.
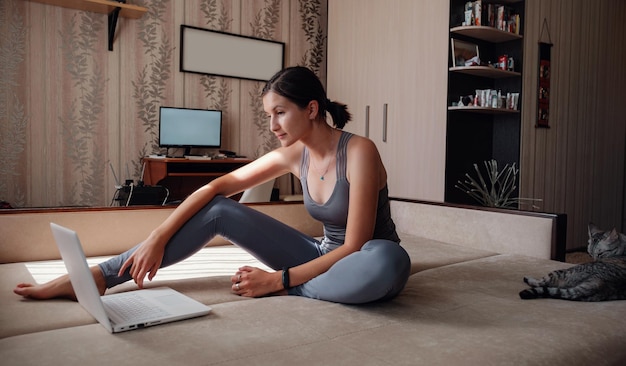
(385,122)
(367,121)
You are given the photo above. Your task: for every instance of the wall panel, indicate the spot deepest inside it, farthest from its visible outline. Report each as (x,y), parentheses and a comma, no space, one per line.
(69,107)
(577,165)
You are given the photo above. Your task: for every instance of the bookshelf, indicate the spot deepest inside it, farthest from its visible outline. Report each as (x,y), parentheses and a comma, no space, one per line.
(478,128)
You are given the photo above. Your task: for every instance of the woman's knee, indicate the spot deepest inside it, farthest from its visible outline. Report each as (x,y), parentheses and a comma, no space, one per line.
(219,203)
(219,208)
(378,271)
(226,209)
(391,253)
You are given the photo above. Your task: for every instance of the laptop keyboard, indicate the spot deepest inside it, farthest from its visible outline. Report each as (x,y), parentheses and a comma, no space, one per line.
(132,308)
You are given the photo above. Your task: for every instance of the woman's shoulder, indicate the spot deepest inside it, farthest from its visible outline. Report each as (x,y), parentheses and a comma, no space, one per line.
(289,156)
(361,144)
(363,161)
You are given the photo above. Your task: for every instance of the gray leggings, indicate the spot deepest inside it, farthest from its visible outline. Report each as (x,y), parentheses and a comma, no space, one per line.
(378,271)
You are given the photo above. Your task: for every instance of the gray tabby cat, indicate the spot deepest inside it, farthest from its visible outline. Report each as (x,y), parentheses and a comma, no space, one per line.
(600,280)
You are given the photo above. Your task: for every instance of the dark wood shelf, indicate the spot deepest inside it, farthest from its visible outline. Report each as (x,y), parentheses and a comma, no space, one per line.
(485,33)
(485,71)
(485,110)
(113,9)
(183,176)
(99,6)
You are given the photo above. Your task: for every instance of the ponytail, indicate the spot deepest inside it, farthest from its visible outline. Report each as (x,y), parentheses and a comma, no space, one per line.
(339,113)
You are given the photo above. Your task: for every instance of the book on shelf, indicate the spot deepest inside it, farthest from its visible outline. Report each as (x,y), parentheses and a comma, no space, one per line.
(497,16)
(500,17)
(491,15)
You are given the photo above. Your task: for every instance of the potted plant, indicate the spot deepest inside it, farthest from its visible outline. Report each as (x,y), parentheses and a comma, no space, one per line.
(497,189)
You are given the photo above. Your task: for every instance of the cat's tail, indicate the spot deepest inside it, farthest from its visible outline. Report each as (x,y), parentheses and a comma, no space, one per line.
(551,292)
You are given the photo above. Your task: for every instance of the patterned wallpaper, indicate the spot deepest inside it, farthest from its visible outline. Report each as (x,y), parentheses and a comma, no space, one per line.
(69,107)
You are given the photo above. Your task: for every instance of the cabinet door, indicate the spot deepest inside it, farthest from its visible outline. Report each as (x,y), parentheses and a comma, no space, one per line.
(341,82)
(359,62)
(416,126)
(349,71)
(394,53)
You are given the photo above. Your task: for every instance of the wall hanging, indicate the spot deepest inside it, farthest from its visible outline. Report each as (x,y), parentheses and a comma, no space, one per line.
(543,83)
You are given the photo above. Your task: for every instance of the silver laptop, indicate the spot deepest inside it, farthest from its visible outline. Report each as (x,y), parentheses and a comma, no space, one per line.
(122,311)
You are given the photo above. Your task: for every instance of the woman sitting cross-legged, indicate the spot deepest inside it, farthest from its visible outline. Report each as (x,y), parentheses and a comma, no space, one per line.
(344,183)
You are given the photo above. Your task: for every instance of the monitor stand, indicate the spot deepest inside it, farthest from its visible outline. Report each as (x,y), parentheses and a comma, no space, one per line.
(188,152)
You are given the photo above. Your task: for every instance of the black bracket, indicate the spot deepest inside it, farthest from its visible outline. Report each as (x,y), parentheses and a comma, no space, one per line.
(113,23)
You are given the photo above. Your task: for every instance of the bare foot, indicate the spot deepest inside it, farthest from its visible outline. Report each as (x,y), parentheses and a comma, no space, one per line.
(58,288)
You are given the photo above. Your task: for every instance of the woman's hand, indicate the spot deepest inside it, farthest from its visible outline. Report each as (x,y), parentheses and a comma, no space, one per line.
(255,282)
(146,260)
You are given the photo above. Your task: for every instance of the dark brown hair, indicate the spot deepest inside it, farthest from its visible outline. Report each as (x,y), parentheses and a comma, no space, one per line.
(300,85)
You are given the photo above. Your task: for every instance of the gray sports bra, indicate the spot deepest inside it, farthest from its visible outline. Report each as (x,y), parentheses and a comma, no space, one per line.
(334,212)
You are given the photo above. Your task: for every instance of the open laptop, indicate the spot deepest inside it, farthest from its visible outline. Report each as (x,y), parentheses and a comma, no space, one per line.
(122,311)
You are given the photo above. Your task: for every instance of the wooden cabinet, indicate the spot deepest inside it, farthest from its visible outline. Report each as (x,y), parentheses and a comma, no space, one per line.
(183,176)
(387,62)
(482,131)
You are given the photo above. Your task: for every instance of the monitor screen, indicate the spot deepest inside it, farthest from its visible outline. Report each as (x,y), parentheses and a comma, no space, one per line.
(189,128)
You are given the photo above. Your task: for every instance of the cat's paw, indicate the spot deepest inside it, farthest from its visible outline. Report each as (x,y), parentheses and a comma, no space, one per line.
(528,294)
(530,281)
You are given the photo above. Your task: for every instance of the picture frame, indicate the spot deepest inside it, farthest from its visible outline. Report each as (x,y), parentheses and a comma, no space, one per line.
(462,51)
(210,52)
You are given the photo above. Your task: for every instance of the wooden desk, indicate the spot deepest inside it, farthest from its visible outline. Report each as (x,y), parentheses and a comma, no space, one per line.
(183,176)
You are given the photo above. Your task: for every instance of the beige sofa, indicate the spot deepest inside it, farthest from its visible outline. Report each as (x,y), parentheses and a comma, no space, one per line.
(460,306)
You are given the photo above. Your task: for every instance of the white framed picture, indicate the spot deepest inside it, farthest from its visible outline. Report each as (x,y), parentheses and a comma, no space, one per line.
(205,51)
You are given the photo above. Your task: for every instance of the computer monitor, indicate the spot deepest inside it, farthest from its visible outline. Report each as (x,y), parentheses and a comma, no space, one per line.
(190,128)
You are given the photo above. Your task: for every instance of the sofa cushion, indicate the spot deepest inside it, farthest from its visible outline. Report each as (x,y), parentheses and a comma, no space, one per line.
(464,313)
(205,276)
(470,313)
(270,331)
(428,253)
(21,316)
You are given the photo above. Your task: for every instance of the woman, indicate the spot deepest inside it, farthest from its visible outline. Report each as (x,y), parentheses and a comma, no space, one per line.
(344,183)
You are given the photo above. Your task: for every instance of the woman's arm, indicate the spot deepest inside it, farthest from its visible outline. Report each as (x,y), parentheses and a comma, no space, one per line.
(146,260)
